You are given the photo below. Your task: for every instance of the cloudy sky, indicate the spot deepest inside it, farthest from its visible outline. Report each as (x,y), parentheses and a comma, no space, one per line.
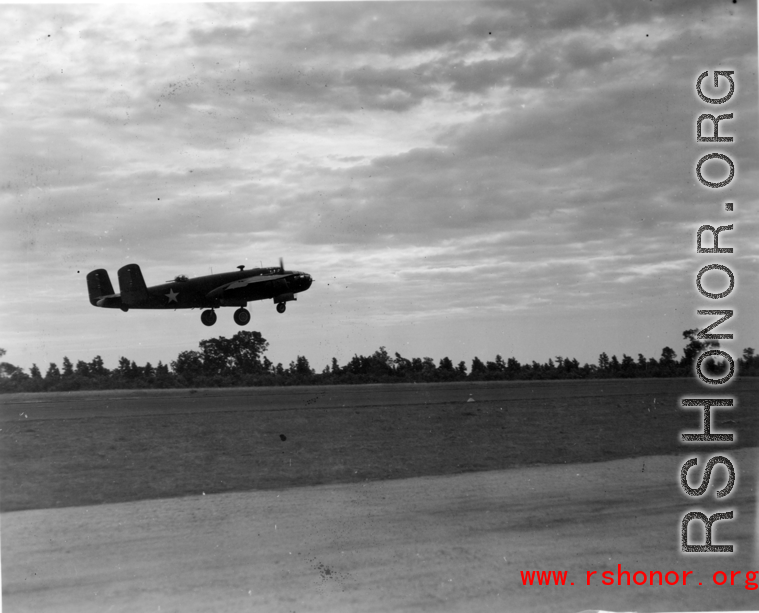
(461,179)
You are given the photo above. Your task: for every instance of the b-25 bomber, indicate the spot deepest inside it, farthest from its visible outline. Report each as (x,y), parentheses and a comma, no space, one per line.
(226,289)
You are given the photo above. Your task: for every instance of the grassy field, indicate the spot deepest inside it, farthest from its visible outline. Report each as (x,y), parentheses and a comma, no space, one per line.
(267,444)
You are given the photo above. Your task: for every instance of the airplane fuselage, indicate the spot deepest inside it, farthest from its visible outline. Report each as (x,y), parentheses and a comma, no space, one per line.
(226,289)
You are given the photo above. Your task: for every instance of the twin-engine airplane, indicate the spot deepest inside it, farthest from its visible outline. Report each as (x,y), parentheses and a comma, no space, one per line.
(226,289)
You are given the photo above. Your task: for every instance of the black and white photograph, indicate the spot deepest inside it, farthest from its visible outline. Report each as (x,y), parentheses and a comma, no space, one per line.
(379,306)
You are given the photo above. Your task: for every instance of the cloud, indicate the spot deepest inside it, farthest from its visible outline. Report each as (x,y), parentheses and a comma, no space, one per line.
(430,159)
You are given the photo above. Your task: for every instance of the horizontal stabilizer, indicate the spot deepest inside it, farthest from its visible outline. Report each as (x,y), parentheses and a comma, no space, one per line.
(132,285)
(99,285)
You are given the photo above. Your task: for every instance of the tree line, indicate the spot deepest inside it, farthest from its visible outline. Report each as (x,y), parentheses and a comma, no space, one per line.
(241,361)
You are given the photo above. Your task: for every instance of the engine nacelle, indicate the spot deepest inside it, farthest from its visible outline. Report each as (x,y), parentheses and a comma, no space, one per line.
(284,298)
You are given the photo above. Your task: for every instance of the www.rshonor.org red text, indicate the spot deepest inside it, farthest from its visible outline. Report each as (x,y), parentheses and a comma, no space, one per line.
(746,579)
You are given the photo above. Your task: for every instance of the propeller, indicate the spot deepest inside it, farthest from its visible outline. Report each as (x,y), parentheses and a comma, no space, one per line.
(281,266)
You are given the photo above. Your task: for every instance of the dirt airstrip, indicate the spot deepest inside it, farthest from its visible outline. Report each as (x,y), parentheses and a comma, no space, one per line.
(400,498)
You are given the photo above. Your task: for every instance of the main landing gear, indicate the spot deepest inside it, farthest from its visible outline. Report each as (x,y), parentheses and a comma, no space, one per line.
(281,307)
(242,317)
(209,317)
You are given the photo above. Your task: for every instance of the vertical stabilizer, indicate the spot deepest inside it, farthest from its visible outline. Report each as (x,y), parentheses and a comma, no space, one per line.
(132,285)
(99,285)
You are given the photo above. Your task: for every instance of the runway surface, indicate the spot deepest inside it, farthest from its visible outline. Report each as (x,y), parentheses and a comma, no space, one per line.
(131,403)
(451,543)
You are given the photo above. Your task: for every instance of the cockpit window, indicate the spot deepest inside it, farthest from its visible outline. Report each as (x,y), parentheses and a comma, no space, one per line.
(181,278)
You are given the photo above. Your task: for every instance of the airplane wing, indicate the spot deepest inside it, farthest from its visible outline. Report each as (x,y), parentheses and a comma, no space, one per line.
(244,283)
(250,280)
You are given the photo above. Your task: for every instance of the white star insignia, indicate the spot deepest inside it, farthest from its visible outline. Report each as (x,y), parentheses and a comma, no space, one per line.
(172,296)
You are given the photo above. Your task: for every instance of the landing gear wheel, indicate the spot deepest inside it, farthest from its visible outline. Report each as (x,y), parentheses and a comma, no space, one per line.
(241,316)
(208,317)
(281,307)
